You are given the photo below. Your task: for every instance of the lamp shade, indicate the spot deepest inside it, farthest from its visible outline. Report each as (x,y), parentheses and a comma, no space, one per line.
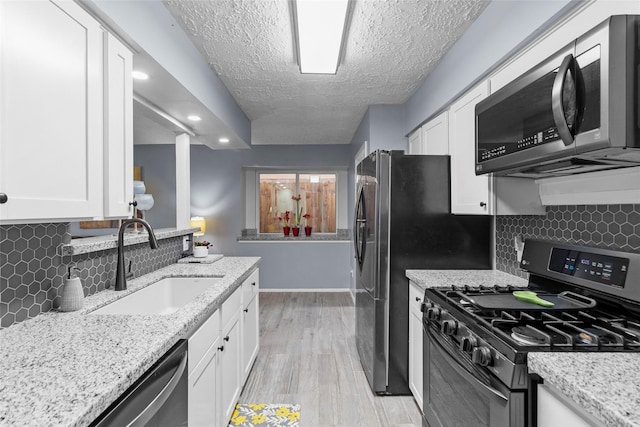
(139,187)
(198,221)
(145,201)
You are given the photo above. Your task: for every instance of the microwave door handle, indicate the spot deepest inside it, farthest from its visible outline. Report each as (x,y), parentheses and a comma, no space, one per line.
(568,63)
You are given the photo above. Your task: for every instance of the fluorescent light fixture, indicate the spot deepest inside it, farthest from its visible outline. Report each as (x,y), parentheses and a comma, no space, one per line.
(320,26)
(139,75)
(223,140)
(194,118)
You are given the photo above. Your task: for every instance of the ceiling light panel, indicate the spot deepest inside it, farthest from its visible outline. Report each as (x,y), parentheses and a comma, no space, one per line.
(320,26)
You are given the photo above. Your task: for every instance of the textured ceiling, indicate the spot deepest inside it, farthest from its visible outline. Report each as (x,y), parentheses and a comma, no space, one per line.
(392,45)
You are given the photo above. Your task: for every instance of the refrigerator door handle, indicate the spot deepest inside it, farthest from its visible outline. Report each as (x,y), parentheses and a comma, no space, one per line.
(359,227)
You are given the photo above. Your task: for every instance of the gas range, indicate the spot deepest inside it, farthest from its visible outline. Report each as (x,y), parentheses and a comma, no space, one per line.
(596,307)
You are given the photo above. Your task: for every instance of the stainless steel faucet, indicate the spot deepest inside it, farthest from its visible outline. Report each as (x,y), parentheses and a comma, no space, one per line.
(121,279)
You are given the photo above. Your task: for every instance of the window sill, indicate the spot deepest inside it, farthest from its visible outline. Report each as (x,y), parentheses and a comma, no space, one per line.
(252,236)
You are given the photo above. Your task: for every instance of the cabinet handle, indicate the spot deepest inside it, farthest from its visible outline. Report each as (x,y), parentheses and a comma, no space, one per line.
(221,348)
(417,299)
(3,198)
(134,203)
(226,338)
(246,310)
(253,284)
(483,204)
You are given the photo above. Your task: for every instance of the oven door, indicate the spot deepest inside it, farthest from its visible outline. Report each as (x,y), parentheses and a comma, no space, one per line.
(460,393)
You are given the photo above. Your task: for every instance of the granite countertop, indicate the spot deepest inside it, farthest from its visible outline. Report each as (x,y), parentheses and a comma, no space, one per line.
(65,369)
(93,244)
(472,278)
(606,385)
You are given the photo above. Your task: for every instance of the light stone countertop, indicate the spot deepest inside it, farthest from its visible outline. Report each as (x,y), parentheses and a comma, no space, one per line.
(472,278)
(606,385)
(100,243)
(65,369)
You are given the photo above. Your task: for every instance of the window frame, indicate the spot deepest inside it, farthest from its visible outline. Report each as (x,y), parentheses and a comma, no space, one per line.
(252,193)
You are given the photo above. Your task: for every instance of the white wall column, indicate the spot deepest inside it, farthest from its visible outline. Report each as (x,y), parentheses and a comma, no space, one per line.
(183,180)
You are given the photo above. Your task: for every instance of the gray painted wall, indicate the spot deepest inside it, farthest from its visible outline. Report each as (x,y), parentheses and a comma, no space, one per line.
(217,194)
(386,128)
(158,164)
(501,30)
(155,30)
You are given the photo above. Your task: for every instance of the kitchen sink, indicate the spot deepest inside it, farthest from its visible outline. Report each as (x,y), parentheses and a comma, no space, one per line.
(162,297)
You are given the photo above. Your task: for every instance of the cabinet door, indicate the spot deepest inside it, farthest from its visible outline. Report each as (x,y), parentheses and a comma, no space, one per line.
(203,389)
(435,135)
(250,335)
(415,343)
(230,370)
(415,142)
(470,194)
(118,129)
(50,111)
(554,409)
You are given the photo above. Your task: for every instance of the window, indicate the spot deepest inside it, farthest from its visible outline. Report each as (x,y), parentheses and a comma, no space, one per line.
(317,197)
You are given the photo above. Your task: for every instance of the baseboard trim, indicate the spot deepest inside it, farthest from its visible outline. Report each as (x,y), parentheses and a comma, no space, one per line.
(307,290)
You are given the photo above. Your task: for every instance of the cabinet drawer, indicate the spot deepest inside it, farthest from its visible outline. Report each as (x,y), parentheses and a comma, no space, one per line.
(202,339)
(250,288)
(416,295)
(231,307)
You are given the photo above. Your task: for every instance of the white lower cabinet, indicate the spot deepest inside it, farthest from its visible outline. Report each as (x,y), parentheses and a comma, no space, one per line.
(415,342)
(554,409)
(230,356)
(203,372)
(221,353)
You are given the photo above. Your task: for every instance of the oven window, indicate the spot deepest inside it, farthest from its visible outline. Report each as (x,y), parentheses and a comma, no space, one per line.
(452,399)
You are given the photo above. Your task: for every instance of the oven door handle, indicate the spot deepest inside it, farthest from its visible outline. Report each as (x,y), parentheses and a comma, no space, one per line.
(462,370)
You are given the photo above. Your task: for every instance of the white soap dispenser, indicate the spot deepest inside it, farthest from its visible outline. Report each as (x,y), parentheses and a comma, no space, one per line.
(72,293)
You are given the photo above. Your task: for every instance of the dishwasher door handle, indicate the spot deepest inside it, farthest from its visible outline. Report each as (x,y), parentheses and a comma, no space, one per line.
(152,408)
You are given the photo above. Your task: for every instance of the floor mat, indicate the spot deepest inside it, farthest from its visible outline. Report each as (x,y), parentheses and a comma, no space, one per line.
(265,415)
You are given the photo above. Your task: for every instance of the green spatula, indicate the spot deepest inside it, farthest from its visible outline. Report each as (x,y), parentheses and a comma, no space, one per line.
(532,297)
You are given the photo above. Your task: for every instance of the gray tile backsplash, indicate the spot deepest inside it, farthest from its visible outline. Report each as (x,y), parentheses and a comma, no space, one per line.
(32,271)
(604,226)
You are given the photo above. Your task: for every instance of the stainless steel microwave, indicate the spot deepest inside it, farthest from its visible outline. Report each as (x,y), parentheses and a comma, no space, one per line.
(575,112)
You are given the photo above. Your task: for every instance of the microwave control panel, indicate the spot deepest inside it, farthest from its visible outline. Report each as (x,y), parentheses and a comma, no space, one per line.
(530,141)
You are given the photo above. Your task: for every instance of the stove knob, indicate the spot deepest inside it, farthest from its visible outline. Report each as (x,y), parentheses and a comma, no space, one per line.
(433,313)
(482,356)
(449,327)
(425,306)
(468,343)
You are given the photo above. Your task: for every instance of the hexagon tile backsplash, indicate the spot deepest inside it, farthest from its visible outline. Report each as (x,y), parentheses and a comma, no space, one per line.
(603,226)
(32,270)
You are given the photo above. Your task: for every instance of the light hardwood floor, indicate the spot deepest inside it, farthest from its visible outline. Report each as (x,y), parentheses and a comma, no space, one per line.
(308,356)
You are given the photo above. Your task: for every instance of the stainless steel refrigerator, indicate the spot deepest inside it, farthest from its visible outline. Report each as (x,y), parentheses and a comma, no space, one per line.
(403,221)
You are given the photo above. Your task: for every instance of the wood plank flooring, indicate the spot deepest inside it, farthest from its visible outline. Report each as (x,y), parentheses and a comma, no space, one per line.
(308,356)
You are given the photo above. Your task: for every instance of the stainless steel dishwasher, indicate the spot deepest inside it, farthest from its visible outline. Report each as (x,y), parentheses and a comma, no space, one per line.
(157,399)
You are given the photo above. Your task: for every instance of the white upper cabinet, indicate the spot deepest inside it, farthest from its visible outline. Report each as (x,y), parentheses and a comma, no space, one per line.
(435,135)
(50,111)
(118,129)
(415,142)
(432,137)
(66,115)
(470,194)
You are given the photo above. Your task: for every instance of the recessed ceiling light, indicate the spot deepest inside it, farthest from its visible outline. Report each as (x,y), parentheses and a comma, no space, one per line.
(139,75)
(224,140)
(194,118)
